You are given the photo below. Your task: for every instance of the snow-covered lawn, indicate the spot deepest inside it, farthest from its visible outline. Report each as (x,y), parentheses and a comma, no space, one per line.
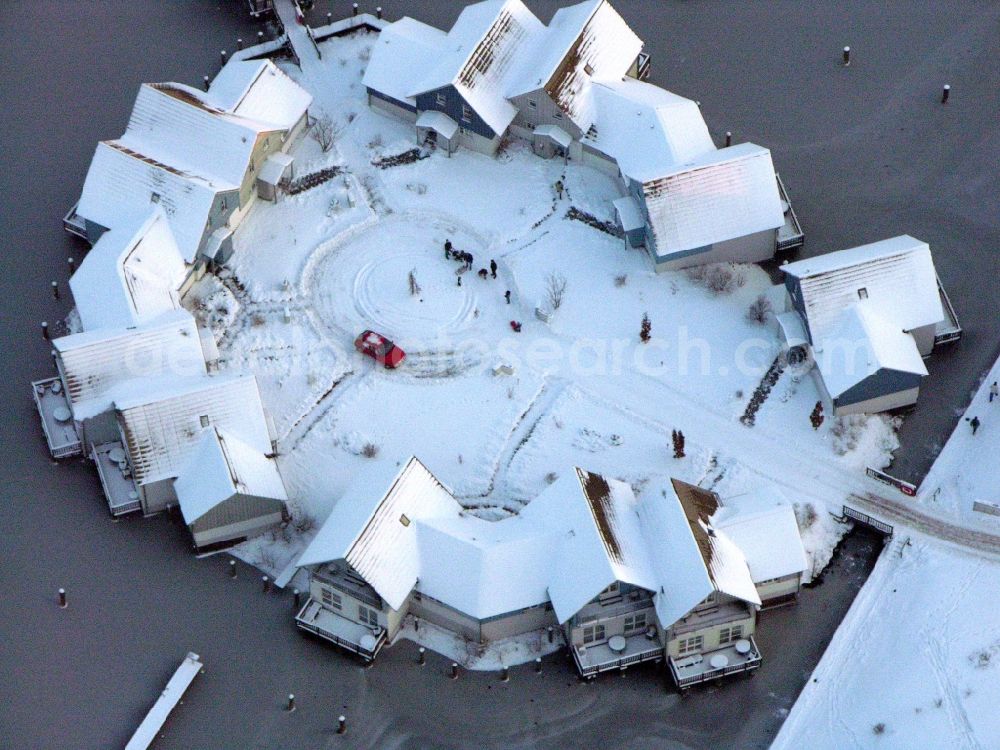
(313,270)
(916,662)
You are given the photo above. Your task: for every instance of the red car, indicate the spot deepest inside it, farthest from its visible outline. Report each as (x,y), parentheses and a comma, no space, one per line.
(379,348)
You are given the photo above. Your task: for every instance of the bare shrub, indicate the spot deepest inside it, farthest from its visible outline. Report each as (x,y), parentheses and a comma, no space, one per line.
(879,728)
(621,280)
(697,273)
(720,279)
(759,309)
(555,289)
(350,117)
(376,141)
(322,132)
(551,477)
(369,450)
(414,286)
(846,432)
(257,320)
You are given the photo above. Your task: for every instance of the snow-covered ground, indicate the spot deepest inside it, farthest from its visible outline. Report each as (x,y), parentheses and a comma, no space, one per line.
(314,269)
(916,662)
(966,471)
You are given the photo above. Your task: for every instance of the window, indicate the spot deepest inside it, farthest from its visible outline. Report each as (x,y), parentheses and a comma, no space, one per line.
(404,519)
(331,599)
(593,633)
(204,420)
(863,293)
(728,635)
(223,204)
(635,623)
(588,69)
(155,198)
(466,113)
(441,99)
(558,115)
(533,104)
(367,616)
(690,645)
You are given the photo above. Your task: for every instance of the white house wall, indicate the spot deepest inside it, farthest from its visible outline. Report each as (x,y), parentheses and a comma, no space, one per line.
(751,248)
(881,403)
(239,530)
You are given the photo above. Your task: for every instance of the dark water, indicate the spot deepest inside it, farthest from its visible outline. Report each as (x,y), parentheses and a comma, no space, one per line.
(867,153)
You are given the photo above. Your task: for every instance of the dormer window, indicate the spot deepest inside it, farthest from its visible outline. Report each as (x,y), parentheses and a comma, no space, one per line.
(588,69)
(204,420)
(863,293)
(442,100)
(466,113)
(532,103)
(154,198)
(558,115)
(403,519)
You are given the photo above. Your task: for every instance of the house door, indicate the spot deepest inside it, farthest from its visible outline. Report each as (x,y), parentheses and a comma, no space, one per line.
(431,138)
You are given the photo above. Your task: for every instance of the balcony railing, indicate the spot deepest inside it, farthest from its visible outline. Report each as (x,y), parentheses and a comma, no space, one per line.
(57,419)
(592,660)
(790,235)
(714,665)
(359,639)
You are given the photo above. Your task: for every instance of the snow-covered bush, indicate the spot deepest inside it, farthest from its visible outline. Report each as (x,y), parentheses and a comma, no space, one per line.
(846,432)
(621,280)
(369,450)
(759,309)
(805,515)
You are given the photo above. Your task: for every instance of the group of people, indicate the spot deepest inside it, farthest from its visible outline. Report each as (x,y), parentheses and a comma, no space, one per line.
(450,253)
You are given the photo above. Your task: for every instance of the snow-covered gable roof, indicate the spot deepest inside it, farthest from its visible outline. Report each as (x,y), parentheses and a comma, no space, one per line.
(402,57)
(133,273)
(95,362)
(481,54)
(123,184)
(162,422)
(598,539)
(583,43)
(723,561)
(179,126)
(221,466)
(374,530)
(897,274)
(484,568)
(646,129)
(863,343)
(722,195)
(762,524)
(260,91)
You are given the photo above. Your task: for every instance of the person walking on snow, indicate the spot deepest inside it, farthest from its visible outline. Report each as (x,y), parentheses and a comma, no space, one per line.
(994,391)
(974,424)
(447,249)
(468,261)
(559,188)
(506,296)
(493,270)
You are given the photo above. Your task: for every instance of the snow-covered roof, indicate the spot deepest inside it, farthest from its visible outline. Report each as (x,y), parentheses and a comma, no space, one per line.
(628,213)
(439,122)
(598,539)
(724,562)
(275,167)
(179,126)
(484,568)
(162,421)
(792,328)
(724,194)
(897,275)
(123,184)
(762,524)
(259,90)
(95,362)
(222,465)
(556,133)
(401,57)
(583,43)
(480,56)
(863,343)
(645,129)
(374,530)
(133,273)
